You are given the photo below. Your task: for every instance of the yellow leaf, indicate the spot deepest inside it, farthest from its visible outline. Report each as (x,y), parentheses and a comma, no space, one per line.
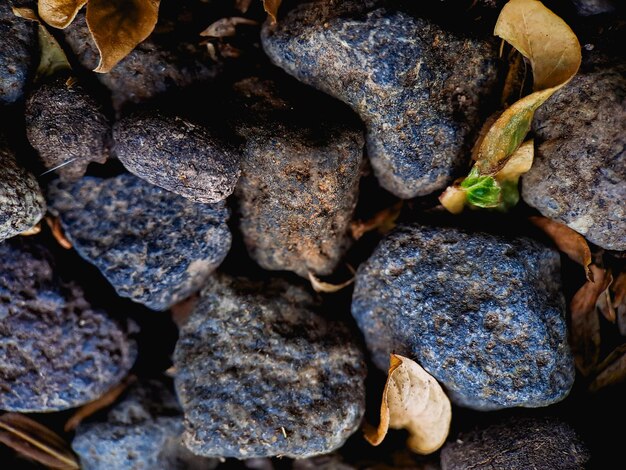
(453,199)
(326,287)
(518,163)
(59,13)
(271,8)
(117,26)
(413,400)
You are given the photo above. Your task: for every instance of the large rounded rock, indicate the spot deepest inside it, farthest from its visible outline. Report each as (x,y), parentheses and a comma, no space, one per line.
(56,351)
(418,87)
(300,175)
(260,373)
(153,246)
(482,313)
(66,127)
(178,155)
(579,173)
(141,432)
(22,204)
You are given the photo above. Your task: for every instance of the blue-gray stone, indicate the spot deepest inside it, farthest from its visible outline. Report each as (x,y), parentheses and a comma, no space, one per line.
(153,246)
(142,432)
(261,373)
(56,350)
(482,313)
(418,88)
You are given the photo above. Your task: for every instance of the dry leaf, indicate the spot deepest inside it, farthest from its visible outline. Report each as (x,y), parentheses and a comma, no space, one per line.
(182,310)
(271,7)
(413,400)
(242,5)
(568,241)
(57,232)
(59,13)
(31,231)
(612,370)
(384,221)
(105,400)
(117,26)
(52,58)
(226,27)
(327,287)
(605,305)
(518,163)
(36,442)
(26,13)
(619,302)
(585,321)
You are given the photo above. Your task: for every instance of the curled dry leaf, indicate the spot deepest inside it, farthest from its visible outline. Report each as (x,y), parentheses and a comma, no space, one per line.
(52,58)
(31,231)
(105,400)
(326,287)
(36,442)
(612,370)
(384,221)
(226,27)
(57,232)
(117,26)
(59,13)
(413,400)
(568,241)
(554,53)
(271,8)
(585,321)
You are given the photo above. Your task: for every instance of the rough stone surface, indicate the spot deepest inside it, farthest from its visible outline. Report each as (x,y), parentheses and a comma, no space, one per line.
(516,444)
(482,313)
(64,124)
(56,351)
(260,373)
(161,63)
(21,203)
(300,176)
(418,88)
(18,43)
(141,432)
(153,246)
(579,173)
(178,155)
(593,7)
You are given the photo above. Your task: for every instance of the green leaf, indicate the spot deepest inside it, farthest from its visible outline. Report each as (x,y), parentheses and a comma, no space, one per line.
(482,191)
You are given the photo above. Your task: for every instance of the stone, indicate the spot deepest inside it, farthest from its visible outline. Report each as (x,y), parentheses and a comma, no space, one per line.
(67,127)
(153,246)
(177,154)
(143,431)
(261,373)
(482,313)
(170,58)
(22,204)
(322,462)
(56,350)
(419,89)
(18,46)
(593,7)
(579,173)
(516,443)
(300,175)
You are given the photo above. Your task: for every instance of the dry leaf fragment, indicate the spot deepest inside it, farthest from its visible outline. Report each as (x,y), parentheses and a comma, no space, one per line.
(568,241)
(384,221)
(31,231)
(52,58)
(585,321)
(36,442)
(413,400)
(226,27)
(242,5)
(57,232)
(612,370)
(271,8)
(117,26)
(59,13)
(326,287)
(619,302)
(105,400)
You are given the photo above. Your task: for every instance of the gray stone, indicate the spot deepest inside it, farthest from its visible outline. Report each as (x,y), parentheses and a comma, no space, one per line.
(517,443)
(418,88)
(66,126)
(161,63)
(260,373)
(301,167)
(22,204)
(482,313)
(593,7)
(178,155)
(579,173)
(153,246)
(142,432)
(18,46)
(56,351)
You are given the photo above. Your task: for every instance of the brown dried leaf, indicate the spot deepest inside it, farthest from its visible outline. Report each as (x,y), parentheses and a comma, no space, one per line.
(413,400)
(31,231)
(585,321)
(226,27)
(604,303)
(182,310)
(36,442)
(57,232)
(612,370)
(619,302)
(326,287)
(242,5)
(26,13)
(568,241)
(384,221)
(117,26)
(271,7)
(59,13)
(105,400)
